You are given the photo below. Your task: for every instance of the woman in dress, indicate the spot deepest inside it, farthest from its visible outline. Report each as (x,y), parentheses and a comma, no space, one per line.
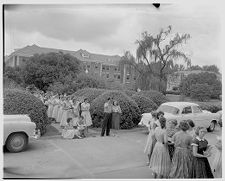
(56,107)
(69,132)
(182,158)
(191,129)
(66,107)
(50,106)
(60,112)
(201,167)
(151,138)
(171,130)
(160,160)
(85,112)
(217,163)
(116,114)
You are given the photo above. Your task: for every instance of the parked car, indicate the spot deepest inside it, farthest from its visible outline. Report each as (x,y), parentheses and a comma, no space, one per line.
(18,129)
(186,110)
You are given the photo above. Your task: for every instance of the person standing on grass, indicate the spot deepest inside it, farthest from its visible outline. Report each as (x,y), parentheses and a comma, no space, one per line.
(107,117)
(116,115)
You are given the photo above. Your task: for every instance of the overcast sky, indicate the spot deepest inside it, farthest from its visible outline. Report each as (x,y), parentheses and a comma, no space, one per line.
(113,29)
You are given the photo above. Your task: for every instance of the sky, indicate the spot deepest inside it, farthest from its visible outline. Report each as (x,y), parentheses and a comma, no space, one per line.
(113,29)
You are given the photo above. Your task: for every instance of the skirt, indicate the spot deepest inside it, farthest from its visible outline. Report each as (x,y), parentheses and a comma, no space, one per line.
(181,163)
(201,168)
(64,118)
(55,111)
(87,118)
(160,160)
(50,109)
(171,151)
(151,141)
(115,120)
(69,134)
(217,165)
(59,116)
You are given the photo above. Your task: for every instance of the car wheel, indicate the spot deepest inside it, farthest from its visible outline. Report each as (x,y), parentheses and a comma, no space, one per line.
(16,142)
(211,127)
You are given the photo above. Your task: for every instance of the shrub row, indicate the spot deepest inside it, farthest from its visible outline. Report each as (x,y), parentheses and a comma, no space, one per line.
(211,107)
(21,102)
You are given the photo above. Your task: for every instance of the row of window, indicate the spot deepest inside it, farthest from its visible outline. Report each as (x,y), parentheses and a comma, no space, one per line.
(104,67)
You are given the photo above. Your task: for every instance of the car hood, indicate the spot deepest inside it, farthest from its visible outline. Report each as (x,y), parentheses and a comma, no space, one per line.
(17,117)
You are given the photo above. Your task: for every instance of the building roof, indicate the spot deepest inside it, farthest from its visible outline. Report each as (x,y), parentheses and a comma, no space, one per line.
(82,55)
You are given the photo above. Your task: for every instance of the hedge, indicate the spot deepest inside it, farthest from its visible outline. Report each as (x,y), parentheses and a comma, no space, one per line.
(201,92)
(145,105)
(21,102)
(156,96)
(89,93)
(130,116)
(129,92)
(210,106)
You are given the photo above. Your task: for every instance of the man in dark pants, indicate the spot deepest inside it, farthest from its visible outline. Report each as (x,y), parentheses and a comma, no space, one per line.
(106,125)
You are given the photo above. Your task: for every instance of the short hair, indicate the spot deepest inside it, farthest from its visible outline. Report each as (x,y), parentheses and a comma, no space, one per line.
(198,129)
(68,120)
(191,123)
(85,99)
(184,125)
(159,113)
(162,122)
(109,98)
(154,114)
(174,121)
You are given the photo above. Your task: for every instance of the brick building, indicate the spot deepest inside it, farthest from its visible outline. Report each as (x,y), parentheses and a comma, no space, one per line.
(105,66)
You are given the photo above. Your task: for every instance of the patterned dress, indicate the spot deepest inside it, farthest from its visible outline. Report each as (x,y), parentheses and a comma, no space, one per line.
(85,107)
(182,158)
(160,160)
(170,133)
(201,167)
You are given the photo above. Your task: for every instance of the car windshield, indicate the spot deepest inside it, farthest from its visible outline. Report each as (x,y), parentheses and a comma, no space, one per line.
(168,109)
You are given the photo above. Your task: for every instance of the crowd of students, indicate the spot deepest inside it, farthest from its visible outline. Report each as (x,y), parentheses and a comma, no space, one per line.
(180,150)
(72,114)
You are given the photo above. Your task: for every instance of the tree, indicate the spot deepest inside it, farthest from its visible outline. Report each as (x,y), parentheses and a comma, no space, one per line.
(154,48)
(45,69)
(195,67)
(211,68)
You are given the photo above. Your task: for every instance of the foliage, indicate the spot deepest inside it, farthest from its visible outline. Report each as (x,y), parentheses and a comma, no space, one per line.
(211,107)
(60,88)
(195,67)
(14,74)
(212,68)
(22,102)
(145,105)
(129,92)
(11,84)
(201,78)
(155,96)
(45,69)
(89,81)
(89,93)
(130,112)
(201,92)
(154,48)
(173,92)
(113,85)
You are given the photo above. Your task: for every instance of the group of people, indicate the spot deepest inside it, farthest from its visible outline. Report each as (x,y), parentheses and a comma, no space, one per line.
(180,151)
(73,115)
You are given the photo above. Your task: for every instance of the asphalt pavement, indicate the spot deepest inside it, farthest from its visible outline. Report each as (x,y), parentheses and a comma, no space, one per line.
(118,156)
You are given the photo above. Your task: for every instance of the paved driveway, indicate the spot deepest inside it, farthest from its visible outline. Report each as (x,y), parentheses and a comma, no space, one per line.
(120,156)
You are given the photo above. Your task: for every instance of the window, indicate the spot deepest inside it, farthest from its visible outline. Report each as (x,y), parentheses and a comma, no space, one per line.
(134,78)
(116,69)
(187,110)
(103,67)
(107,68)
(128,77)
(96,66)
(196,109)
(118,77)
(88,66)
(115,76)
(107,76)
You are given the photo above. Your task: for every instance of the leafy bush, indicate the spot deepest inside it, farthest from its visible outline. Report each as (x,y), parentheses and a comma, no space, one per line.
(21,102)
(129,92)
(173,92)
(113,85)
(211,107)
(89,93)
(11,84)
(201,78)
(145,105)
(60,88)
(200,92)
(130,112)
(156,96)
